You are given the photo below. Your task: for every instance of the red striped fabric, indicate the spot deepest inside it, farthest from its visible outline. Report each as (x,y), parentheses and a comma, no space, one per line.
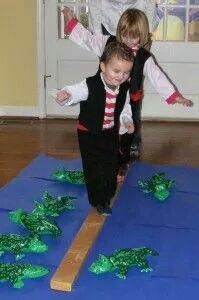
(110,105)
(109,96)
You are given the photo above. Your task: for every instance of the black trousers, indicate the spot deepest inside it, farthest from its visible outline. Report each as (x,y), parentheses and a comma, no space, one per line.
(100,159)
(126,140)
(136,108)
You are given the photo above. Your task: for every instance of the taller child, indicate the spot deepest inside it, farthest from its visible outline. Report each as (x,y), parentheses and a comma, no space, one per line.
(133,30)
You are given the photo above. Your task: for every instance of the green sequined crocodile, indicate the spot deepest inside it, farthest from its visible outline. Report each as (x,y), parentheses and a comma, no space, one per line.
(53,206)
(158,184)
(19,245)
(15,273)
(72,176)
(122,260)
(37,225)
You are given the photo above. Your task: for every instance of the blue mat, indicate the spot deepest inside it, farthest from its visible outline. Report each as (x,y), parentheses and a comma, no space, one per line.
(38,169)
(171,228)
(21,192)
(187,179)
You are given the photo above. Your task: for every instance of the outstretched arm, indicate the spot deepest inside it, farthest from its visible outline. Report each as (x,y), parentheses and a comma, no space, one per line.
(83,37)
(183,101)
(162,85)
(72,94)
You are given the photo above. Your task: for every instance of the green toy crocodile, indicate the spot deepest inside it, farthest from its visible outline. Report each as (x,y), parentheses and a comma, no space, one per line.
(15,273)
(72,176)
(19,245)
(53,206)
(123,260)
(37,225)
(158,184)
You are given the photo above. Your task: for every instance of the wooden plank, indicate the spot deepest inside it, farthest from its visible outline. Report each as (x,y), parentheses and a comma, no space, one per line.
(72,262)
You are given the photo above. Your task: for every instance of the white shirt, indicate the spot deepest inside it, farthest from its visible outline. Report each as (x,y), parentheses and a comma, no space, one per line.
(108,12)
(79,92)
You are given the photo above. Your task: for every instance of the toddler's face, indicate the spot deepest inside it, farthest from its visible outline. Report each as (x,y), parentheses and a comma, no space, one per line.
(116,71)
(132,43)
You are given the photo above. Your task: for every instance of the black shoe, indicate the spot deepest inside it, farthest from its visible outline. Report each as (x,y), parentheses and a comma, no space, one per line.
(107,210)
(104,210)
(135,152)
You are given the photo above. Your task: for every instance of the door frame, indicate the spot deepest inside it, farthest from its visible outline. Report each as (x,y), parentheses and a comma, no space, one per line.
(41,66)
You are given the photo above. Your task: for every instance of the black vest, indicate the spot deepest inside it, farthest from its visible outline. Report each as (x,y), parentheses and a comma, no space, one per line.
(137,71)
(92,110)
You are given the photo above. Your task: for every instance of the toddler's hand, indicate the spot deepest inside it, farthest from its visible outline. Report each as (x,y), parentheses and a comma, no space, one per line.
(68,13)
(62,96)
(183,101)
(130,126)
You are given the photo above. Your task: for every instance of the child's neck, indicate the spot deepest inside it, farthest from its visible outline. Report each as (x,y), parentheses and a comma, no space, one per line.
(111,87)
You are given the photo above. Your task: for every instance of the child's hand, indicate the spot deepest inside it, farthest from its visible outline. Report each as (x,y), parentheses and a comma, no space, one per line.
(130,126)
(183,101)
(68,13)
(62,96)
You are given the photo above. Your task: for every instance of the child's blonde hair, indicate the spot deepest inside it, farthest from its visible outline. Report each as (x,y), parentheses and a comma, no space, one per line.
(133,23)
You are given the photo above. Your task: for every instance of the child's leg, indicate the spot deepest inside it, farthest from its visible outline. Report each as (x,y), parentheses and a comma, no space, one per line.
(136,137)
(129,143)
(92,169)
(100,164)
(124,155)
(111,165)
(109,145)
(125,145)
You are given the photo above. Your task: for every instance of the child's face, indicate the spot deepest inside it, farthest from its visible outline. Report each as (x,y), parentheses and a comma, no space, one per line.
(132,43)
(116,71)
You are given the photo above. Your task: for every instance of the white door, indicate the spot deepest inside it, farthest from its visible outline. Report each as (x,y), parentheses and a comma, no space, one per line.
(176,51)
(66,63)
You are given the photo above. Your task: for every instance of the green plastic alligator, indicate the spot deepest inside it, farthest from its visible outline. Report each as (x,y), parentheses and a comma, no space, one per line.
(19,245)
(37,225)
(123,260)
(72,176)
(158,184)
(53,206)
(15,273)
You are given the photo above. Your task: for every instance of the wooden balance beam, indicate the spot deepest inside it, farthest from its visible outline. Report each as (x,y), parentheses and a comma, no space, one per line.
(72,262)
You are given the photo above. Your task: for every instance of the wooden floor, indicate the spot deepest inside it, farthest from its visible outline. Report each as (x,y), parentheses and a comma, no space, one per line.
(21,140)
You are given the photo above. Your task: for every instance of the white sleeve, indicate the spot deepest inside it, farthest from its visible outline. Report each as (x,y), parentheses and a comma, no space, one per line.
(95,16)
(158,79)
(126,115)
(85,39)
(78,92)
